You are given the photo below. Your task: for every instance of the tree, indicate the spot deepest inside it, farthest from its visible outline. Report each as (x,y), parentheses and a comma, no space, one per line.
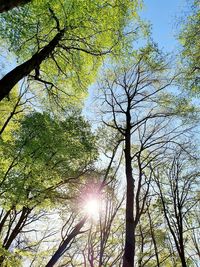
(135,104)
(104,246)
(63,42)
(10,4)
(97,188)
(37,168)
(62,248)
(12,112)
(176,183)
(190,54)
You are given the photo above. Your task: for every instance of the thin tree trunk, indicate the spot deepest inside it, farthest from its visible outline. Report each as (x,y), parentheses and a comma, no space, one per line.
(6,5)
(9,239)
(153,238)
(4,219)
(180,227)
(21,71)
(178,239)
(60,251)
(12,113)
(140,258)
(182,257)
(17,229)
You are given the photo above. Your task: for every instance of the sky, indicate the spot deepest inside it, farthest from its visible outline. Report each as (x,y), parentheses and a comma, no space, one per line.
(162,15)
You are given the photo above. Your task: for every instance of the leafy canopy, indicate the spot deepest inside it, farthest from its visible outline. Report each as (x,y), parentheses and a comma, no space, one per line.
(46,153)
(91,29)
(190,56)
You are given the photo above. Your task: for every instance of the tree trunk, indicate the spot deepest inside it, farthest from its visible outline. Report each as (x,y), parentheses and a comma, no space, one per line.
(21,71)
(9,239)
(153,238)
(60,251)
(4,220)
(182,248)
(182,257)
(6,5)
(129,250)
(12,113)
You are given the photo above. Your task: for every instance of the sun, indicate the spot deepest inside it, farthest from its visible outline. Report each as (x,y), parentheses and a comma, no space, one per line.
(92,208)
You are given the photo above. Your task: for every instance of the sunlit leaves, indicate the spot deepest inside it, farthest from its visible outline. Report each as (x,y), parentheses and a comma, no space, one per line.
(190,55)
(46,152)
(92,29)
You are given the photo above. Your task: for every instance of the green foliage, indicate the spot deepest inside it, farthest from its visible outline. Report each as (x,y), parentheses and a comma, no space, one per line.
(9,108)
(190,56)
(46,153)
(181,106)
(91,28)
(11,259)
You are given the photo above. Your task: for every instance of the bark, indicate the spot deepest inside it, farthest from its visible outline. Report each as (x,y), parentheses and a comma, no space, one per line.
(4,219)
(6,5)
(177,234)
(180,231)
(140,258)
(129,250)
(12,113)
(182,248)
(61,250)
(17,229)
(153,238)
(9,239)
(21,71)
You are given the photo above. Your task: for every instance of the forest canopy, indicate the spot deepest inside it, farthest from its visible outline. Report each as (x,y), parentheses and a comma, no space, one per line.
(111,180)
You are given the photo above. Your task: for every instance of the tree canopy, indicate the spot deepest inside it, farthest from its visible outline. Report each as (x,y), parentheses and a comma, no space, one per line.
(190,55)
(62,44)
(118,189)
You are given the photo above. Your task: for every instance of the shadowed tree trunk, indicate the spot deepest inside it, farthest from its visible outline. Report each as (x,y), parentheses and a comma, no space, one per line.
(21,71)
(129,249)
(6,5)
(127,93)
(63,247)
(10,237)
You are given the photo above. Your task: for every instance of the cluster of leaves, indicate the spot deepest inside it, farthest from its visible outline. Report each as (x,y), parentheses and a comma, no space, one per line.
(89,30)
(46,152)
(190,55)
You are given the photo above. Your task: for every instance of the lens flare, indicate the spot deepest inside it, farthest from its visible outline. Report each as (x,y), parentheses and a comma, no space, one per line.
(92,208)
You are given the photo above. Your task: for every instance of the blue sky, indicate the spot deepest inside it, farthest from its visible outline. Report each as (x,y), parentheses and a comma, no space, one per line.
(162,15)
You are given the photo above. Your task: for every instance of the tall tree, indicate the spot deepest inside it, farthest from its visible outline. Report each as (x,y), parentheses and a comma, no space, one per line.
(135,102)
(61,44)
(176,182)
(97,191)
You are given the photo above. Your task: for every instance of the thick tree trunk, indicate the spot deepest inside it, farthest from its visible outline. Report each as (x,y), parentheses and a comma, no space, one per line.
(6,5)
(21,71)
(129,250)
(57,255)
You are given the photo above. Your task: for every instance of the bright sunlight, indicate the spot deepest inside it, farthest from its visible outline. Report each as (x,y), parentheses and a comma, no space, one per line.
(92,208)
